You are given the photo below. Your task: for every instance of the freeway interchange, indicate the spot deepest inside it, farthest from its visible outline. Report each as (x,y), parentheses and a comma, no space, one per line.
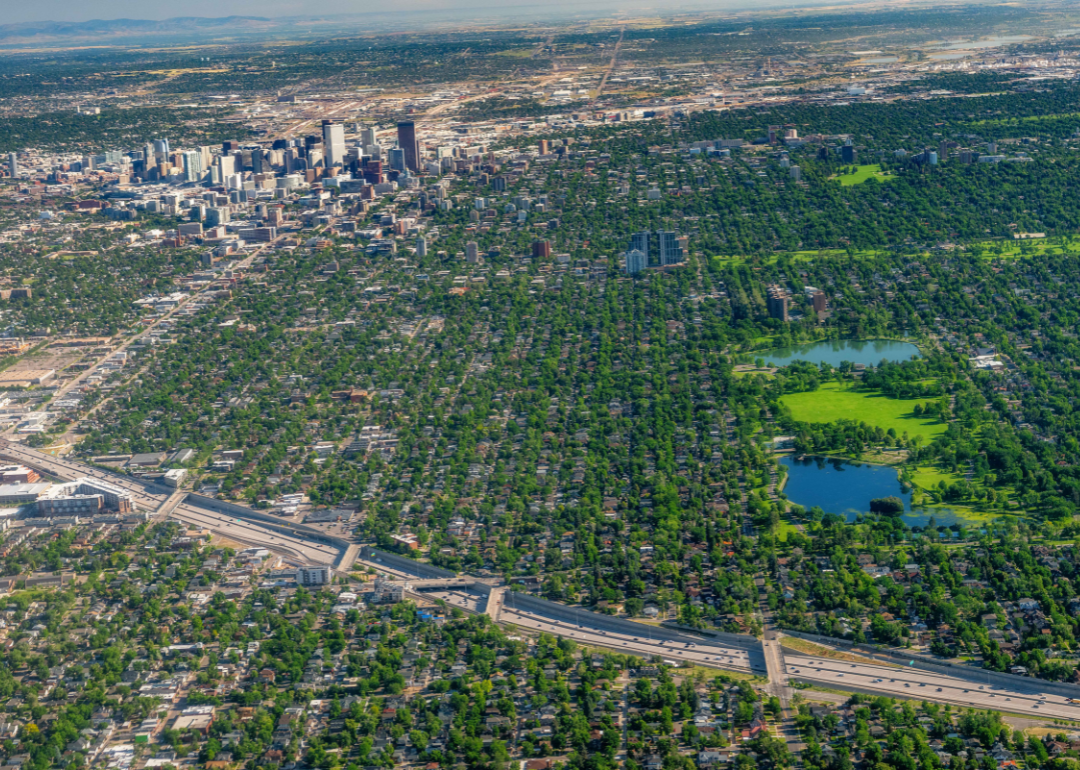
(971,688)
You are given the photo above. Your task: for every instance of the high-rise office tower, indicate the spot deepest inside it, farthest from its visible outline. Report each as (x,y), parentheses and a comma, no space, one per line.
(406,135)
(193,167)
(848,154)
(640,242)
(333,143)
(290,160)
(257,161)
(368,137)
(397,159)
(227,163)
(421,246)
(13,164)
(636,261)
(670,249)
(161,148)
(472,251)
(229,146)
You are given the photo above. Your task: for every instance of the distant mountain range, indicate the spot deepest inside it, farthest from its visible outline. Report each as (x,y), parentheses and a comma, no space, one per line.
(62,31)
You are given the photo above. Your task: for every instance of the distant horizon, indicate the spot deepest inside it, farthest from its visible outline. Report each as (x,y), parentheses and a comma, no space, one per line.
(70,12)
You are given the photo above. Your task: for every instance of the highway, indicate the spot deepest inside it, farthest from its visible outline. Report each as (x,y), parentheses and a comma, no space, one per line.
(251,533)
(1018,698)
(925,685)
(148,497)
(701,653)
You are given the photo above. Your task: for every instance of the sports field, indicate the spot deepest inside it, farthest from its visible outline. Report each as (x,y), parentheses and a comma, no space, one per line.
(833,402)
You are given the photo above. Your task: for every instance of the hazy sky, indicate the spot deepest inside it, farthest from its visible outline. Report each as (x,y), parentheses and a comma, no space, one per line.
(83,10)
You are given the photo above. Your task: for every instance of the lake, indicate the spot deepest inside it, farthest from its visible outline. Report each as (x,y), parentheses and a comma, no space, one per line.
(834,352)
(846,489)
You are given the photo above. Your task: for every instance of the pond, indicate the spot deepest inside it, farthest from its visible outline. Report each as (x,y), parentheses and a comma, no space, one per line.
(834,352)
(846,489)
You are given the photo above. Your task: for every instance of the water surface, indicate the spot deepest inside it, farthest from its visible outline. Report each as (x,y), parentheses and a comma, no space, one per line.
(835,352)
(846,489)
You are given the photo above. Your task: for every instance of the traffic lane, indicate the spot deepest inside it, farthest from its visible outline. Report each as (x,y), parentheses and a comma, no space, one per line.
(260,540)
(257,535)
(60,468)
(913,683)
(680,651)
(927,677)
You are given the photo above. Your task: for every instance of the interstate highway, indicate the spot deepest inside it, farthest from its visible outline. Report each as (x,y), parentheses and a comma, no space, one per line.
(700,653)
(925,685)
(250,533)
(246,532)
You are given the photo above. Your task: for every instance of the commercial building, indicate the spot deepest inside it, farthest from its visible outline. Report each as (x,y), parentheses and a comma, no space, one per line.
(77,498)
(640,242)
(396,158)
(636,261)
(314,576)
(174,477)
(194,170)
(541,249)
(18,474)
(778,302)
(671,250)
(70,505)
(13,164)
(257,234)
(333,143)
(21,493)
(406,132)
(387,592)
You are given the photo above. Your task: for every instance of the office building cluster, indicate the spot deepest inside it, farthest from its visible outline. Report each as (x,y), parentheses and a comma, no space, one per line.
(670,250)
(235,193)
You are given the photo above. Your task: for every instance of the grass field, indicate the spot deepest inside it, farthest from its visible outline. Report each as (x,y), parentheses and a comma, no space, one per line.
(833,402)
(928,477)
(862,174)
(818,650)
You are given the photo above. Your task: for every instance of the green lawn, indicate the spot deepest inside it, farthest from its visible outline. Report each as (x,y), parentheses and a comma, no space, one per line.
(833,402)
(928,477)
(862,174)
